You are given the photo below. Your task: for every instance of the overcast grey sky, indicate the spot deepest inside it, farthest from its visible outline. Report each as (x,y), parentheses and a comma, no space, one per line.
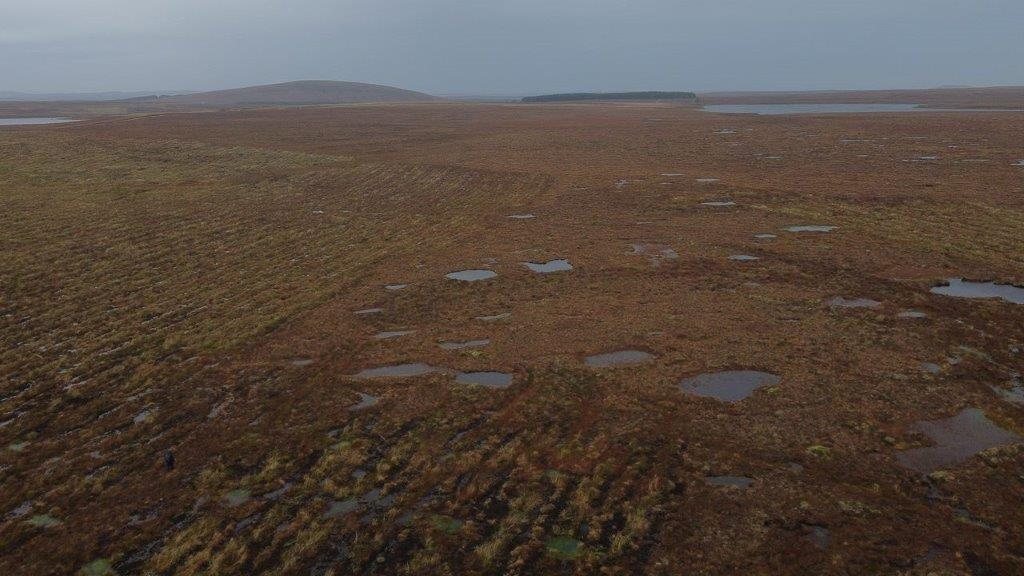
(510,46)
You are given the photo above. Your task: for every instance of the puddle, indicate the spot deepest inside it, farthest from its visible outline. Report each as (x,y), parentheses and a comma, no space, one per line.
(819,536)
(728,386)
(471,275)
(619,358)
(494,318)
(377,505)
(955,439)
(655,253)
(707,180)
(22,510)
(811,228)
(407,518)
(392,334)
(341,507)
(1014,392)
(765,236)
(302,362)
(455,345)
(961,288)
(657,250)
(729,481)
(394,287)
(840,302)
(1019,163)
(396,371)
(32,121)
(719,203)
(241,527)
(911,315)
(672,174)
(370,497)
(369,311)
(365,401)
(488,379)
(522,216)
(276,495)
(743,258)
(726,131)
(933,553)
(549,266)
(931,368)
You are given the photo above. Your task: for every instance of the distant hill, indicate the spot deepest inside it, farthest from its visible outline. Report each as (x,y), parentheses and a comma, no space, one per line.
(584,96)
(296,94)
(8,96)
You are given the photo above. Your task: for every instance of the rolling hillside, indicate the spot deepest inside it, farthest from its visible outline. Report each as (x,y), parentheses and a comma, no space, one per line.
(299,93)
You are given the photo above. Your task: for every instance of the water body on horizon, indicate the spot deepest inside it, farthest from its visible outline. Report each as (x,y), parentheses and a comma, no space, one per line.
(783,109)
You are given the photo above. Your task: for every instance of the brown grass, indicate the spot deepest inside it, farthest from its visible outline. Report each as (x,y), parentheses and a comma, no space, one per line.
(173,266)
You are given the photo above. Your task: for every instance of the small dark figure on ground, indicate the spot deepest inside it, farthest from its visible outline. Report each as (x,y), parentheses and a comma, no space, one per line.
(169,460)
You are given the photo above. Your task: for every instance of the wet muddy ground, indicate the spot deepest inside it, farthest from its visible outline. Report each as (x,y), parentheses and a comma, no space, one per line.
(203,372)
